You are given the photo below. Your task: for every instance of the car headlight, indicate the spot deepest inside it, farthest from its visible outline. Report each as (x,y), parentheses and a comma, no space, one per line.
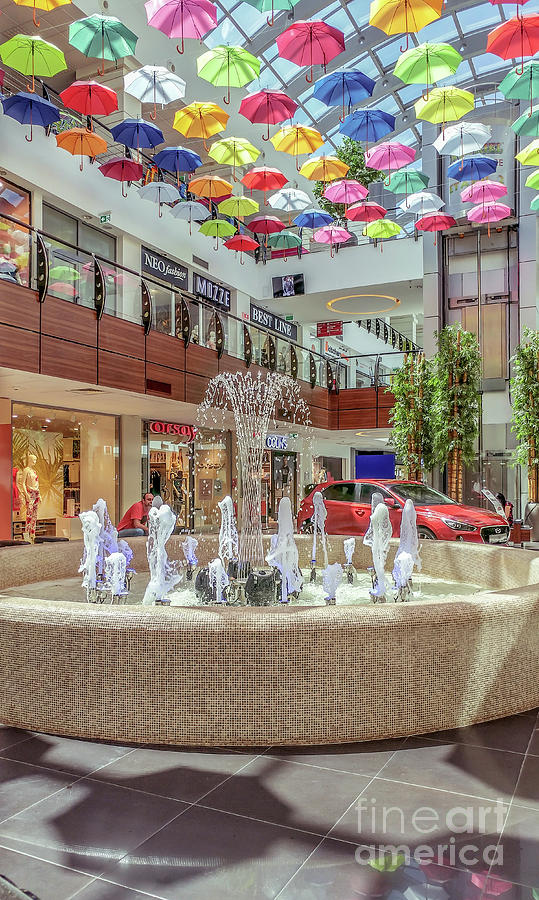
(455,525)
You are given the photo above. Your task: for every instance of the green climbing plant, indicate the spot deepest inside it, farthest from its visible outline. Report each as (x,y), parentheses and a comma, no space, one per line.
(350,152)
(411,433)
(525,404)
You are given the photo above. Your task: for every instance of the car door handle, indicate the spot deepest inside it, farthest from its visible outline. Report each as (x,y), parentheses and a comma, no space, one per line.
(359,512)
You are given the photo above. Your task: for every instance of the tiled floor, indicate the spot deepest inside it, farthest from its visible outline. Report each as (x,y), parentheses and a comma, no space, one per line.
(98,821)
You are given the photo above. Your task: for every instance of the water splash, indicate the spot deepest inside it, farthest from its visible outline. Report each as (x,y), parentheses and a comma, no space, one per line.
(228,533)
(218,580)
(189,546)
(284,552)
(381,536)
(376,499)
(331,581)
(163,574)
(407,556)
(91,531)
(319,528)
(349,546)
(115,570)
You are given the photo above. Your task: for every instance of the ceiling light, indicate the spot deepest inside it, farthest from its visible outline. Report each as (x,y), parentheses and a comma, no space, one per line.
(376,308)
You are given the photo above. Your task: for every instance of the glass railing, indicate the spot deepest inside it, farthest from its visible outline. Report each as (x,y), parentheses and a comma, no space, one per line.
(15,249)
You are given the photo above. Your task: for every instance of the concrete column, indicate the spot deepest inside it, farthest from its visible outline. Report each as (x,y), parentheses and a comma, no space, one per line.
(6,479)
(130,461)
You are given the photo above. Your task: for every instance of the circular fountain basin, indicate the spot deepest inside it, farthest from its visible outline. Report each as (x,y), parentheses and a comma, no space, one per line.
(216,676)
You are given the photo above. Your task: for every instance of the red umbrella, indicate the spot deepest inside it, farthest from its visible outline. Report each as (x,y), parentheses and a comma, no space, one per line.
(60,287)
(264,178)
(269,107)
(265,225)
(435,222)
(310,43)
(241,242)
(365,211)
(122,169)
(518,37)
(90,98)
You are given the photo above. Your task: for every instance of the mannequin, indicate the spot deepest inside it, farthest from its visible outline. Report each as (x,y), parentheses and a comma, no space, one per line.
(28,484)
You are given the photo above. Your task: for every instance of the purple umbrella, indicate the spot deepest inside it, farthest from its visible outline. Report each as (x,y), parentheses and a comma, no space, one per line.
(331,234)
(182,18)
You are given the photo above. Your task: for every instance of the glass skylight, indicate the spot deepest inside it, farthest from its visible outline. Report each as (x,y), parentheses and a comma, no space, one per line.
(476,17)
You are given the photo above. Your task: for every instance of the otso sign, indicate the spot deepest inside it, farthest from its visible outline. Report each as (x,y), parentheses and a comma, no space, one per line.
(172,428)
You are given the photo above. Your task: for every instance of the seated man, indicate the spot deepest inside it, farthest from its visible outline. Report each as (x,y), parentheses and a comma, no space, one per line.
(135,520)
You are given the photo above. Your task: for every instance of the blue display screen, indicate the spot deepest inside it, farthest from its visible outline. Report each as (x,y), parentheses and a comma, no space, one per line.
(375,465)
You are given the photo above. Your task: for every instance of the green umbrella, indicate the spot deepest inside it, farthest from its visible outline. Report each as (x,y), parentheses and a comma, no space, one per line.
(407,181)
(233,152)
(525,86)
(387,863)
(230,66)
(534,205)
(267,5)
(217,228)
(284,240)
(532,181)
(238,207)
(445,104)
(381,229)
(103,36)
(64,273)
(32,56)
(528,123)
(427,63)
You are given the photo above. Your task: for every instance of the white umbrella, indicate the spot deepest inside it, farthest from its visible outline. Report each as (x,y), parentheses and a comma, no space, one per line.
(154,84)
(191,211)
(159,192)
(290,200)
(422,202)
(462,138)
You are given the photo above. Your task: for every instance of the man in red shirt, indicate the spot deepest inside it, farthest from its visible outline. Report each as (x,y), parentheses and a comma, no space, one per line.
(134,522)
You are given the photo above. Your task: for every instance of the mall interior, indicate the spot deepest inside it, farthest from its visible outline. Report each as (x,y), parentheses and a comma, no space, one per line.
(271,266)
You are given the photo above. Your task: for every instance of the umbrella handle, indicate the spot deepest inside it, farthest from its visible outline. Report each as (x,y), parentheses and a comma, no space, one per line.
(271,23)
(298,167)
(331,251)
(160,211)
(36,21)
(242,261)
(124,192)
(182,46)
(26,138)
(266,201)
(310,79)
(81,164)
(227,98)
(266,137)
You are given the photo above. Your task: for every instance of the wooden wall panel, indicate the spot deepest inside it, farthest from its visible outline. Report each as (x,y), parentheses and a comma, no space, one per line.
(166,350)
(19,349)
(119,336)
(357,398)
(165,376)
(121,372)
(62,319)
(201,359)
(357,418)
(231,364)
(64,359)
(386,398)
(19,306)
(383,417)
(195,388)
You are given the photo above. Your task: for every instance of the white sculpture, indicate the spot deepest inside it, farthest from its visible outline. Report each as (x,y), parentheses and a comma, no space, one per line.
(108,538)
(381,536)
(320,514)
(349,546)
(163,574)
(91,531)
(407,556)
(376,499)
(189,546)
(115,568)
(218,580)
(284,553)
(228,533)
(331,581)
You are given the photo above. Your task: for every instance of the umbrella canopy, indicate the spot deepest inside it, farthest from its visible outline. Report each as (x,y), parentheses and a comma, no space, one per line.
(233,152)
(343,88)
(159,192)
(404,16)
(310,43)
(210,186)
(62,287)
(284,240)
(45,5)
(264,178)
(389,155)
(81,142)
(217,228)
(381,230)
(29,109)
(200,120)
(324,168)
(521,83)
(313,218)
(422,202)
(102,36)
(238,207)
(267,5)
(241,242)
(488,212)
(527,125)
(137,133)
(265,225)
(484,192)
(331,234)
(365,211)
(472,168)
(64,273)
(406,182)
(462,138)
(230,66)
(296,140)
(368,125)
(427,63)
(122,169)
(191,211)
(177,159)
(530,155)
(32,56)
(435,222)
(154,84)
(534,205)
(182,18)
(518,37)
(290,200)
(267,107)
(445,104)
(532,181)
(90,98)
(345,192)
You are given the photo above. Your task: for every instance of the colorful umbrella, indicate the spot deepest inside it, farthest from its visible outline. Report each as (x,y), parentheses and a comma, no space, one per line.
(404,16)
(368,125)
(472,168)
(60,287)
(427,63)
(264,179)
(159,192)
(530,155)
(518,37)
(521,85)
(217,228)
(462,138)
(527,125)
(230,66)
(406,182)
(191,211)
(137,133)
(532,181)
(488,212)
(343,88)
(313,218)
(345,192)
(534,205)
(81,142)
(422,202)
(265,225)
(365,211)
(233,151)
(290,200)
(296,140)
(182,18)
(445,104)
(29,109)
(267,107)
(154,84)
(310,43)
(103,36)
(331,234)
(210,186)
(381,230)
(32,56)
(484,192)
(238,207)
(267,5)
(177,159)
(324,168)
(90,98)
(389,156)
(64,273)
(45,5)
(435,222)
(122,169)
(285,240)
(241,242)
(200,120)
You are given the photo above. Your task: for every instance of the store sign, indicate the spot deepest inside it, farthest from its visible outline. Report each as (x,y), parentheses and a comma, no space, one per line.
(329,329)
(160,267)
(211,291)
(276,442)
(172,428)
(267,319)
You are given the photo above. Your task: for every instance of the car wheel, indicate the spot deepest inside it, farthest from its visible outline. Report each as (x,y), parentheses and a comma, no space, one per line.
(425,534)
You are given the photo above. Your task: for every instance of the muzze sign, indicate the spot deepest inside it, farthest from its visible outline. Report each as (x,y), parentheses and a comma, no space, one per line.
(160,267)
(211,291)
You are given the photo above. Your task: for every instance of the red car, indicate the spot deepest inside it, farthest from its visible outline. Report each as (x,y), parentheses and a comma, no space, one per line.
(439,518)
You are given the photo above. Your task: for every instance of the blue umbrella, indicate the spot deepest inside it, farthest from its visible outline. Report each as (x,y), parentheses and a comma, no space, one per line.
(177,159)
(368,125)
(137,133)
(28,109)
(312,218)
(343,89)
(472,168)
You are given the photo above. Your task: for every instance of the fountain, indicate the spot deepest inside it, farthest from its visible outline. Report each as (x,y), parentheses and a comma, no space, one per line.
(381,536)
(407,556)
(376,499)
(331,581)
(91,531)
(115,571)
(349,546)
(189,546)
(228,533)
(319,526)
(218,580)
(163,574)
(284,553)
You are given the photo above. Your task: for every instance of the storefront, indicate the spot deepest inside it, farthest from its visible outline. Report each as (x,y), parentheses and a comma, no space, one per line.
(279,477)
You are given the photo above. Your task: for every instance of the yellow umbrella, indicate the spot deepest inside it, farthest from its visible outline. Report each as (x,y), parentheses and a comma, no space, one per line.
(233,152)
(296,139)
(210,186)
(200,120)
(404,16)
(238,207)
(324,168)
(445,104)
(530,155)
(46,5)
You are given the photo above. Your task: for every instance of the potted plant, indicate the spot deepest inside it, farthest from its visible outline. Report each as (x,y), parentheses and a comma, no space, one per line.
(410,418)
(525,403)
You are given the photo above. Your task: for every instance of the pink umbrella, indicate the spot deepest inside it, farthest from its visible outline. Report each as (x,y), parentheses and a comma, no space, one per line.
(389,156)
(366,211)
(491,886)
(345,192)
(268,107)
(489,212)
(310,43)
(331,234)
(122,169)
(60,287)
(484,192)
(181,18)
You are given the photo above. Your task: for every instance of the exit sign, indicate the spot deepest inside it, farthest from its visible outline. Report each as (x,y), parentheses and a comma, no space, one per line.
(105,218)
(289,318)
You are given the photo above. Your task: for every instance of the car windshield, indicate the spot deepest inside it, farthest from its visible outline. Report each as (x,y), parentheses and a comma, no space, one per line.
(420,494)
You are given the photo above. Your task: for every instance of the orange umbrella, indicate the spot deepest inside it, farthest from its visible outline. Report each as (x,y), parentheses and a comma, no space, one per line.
(81,142)
(210,186)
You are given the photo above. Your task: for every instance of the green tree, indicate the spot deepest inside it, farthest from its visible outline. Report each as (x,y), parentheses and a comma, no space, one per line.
(411,434)
(525,403)
(350,152)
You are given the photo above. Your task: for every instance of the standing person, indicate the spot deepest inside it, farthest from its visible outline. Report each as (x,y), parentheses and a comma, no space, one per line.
(135,520)
(507,508)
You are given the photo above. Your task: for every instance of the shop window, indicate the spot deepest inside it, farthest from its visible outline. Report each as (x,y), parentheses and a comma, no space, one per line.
(494,336)
(14,237)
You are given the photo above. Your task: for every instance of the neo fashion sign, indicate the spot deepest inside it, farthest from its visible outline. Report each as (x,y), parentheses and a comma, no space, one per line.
(173,428)
(276,441)
(160,267)
(211,291)
(267,319)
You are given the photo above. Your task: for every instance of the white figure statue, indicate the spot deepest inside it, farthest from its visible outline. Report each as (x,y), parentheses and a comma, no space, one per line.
(115,575)
(91,530)
(319,525)
(407,556)
(163,574)
(376,499)
(284,553)
(381,536)
(108,538)
(228,533)
(349,546)
(218,580)
(331,581)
